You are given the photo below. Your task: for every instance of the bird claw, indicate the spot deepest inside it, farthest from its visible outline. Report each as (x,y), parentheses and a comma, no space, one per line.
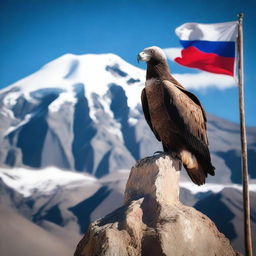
(177,158)
(174,155)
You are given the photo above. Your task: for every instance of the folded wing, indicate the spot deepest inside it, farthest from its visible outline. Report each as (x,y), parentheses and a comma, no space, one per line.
(188,115)
(145,109)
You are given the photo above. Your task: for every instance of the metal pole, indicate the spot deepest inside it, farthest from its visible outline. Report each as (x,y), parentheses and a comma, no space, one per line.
(246,197)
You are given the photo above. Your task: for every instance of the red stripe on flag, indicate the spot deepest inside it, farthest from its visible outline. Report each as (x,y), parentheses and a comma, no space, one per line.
(194,58)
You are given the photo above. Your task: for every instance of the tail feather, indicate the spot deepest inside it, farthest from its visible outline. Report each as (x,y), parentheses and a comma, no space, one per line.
(197,175)
(211,170)
(196,166)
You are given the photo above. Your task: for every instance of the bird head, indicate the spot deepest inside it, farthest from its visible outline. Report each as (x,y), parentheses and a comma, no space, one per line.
(152,53)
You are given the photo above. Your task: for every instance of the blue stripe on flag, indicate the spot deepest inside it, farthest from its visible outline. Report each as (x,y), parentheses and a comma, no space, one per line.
(225,49)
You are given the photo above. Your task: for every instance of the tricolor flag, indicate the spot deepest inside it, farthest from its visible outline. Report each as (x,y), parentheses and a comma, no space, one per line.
(209,47)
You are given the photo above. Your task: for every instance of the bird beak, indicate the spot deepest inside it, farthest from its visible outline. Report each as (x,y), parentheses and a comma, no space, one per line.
(142,56)
(138,58)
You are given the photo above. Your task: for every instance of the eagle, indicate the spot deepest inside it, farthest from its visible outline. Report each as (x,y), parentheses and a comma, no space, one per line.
(175,116)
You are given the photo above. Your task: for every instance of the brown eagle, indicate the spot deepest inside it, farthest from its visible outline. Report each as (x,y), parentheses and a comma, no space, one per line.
(175,116)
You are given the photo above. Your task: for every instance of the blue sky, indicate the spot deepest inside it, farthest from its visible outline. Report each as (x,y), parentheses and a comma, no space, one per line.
(34,32)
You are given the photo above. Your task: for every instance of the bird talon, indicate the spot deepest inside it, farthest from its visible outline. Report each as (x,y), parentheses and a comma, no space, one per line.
(175,156)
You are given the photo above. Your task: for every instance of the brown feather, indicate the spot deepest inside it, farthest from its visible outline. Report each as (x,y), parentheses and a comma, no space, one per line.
(145,109)
(189,117)
(176,117)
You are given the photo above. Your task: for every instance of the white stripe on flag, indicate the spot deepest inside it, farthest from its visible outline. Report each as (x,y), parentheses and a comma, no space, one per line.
(226,31)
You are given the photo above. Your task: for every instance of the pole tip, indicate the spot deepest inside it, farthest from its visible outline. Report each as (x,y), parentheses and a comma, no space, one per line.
(240,15)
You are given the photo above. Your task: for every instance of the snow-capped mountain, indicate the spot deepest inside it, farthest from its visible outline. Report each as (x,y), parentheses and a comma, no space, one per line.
(77,112)
(46,181)
(84,113)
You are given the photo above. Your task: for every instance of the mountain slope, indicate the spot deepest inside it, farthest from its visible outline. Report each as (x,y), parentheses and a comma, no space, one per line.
(62,116)
(21,237)
(63,204)
(226,210)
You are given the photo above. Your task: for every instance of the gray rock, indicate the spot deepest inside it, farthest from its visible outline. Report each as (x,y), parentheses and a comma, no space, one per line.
(152,220)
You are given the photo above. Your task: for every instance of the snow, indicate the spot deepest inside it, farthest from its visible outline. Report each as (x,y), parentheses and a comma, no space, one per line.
(64,97)
(215,188)
(13,128)
(7,113)
(94,71)
(42,181)
(11,98)
(28,181)
(132,121)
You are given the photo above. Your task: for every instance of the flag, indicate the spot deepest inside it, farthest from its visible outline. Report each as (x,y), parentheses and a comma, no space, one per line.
(209,47)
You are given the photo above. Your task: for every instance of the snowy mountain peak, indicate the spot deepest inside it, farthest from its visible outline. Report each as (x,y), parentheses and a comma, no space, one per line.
(66,72)
(78,68)
(77,112)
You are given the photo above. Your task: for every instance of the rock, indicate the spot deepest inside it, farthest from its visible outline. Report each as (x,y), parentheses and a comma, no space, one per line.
(153,221)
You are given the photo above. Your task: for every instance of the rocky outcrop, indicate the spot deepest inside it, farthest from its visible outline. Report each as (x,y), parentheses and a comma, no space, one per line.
(152,220)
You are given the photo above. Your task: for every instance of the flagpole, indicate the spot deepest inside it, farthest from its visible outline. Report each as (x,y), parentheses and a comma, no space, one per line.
(246,197)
